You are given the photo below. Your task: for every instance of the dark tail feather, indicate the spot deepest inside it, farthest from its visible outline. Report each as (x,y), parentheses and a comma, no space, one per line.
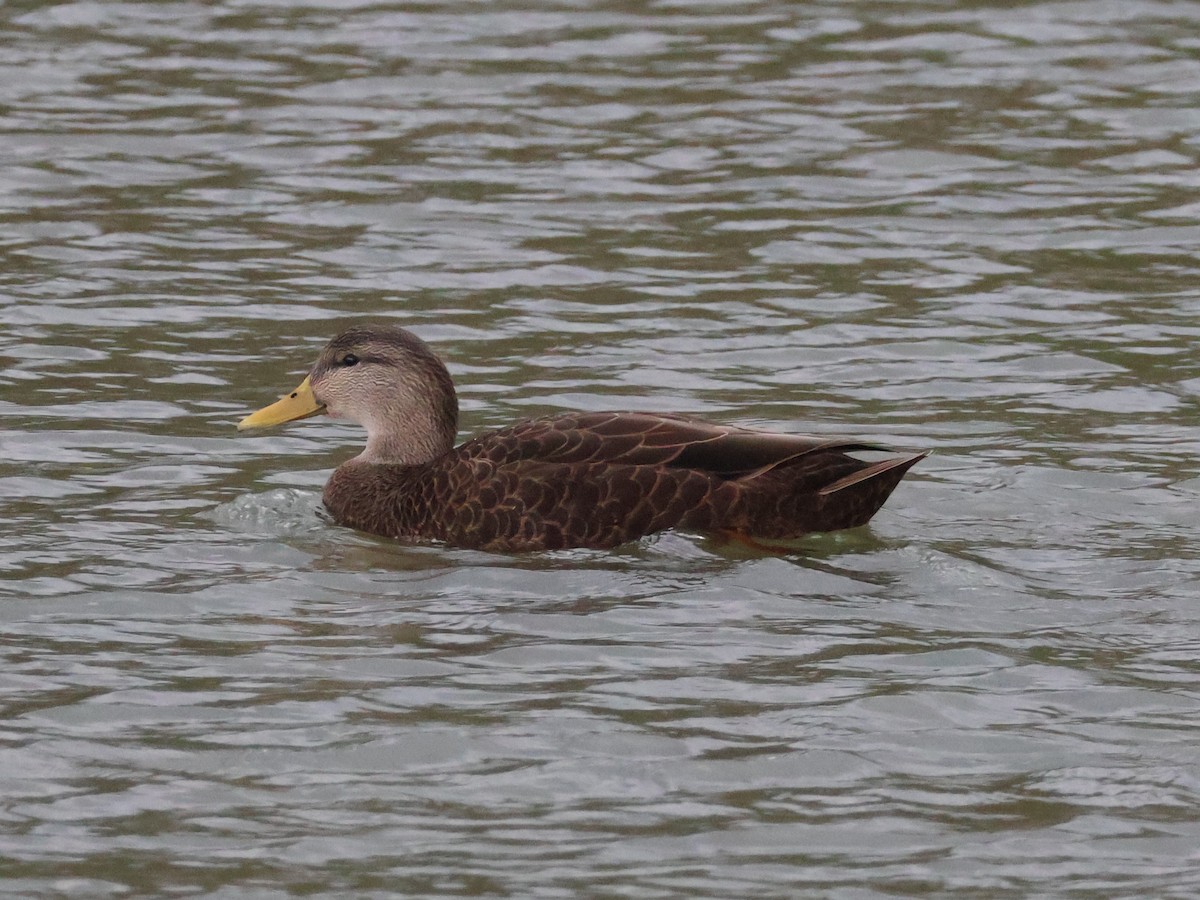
(852,500)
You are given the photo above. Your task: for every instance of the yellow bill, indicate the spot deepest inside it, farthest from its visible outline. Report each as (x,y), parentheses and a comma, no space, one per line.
(299,404)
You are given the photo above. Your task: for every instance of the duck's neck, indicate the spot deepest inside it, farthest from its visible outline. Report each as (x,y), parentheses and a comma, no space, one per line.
(422,439)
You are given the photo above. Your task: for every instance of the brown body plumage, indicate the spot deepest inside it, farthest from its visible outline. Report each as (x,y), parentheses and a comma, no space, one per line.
(576,480)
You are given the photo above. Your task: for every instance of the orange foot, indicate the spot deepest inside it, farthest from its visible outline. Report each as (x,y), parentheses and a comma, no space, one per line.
(740,537)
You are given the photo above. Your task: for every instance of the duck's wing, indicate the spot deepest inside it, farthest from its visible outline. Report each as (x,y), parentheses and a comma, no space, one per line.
(651,439)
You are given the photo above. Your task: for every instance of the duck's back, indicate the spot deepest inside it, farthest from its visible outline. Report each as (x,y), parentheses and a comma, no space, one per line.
(601,479)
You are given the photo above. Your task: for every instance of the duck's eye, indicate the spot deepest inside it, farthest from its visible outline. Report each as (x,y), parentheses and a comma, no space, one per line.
(349,360)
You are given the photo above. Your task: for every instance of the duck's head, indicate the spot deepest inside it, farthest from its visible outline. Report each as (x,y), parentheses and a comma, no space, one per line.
(387,380)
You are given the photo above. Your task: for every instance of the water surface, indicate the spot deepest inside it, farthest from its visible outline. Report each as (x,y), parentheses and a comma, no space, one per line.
(959,227)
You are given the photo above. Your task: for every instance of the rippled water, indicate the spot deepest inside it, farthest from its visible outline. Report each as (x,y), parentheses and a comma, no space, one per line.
(948,226)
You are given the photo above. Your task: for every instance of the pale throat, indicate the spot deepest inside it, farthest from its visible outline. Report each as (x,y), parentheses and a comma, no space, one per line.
(410,440)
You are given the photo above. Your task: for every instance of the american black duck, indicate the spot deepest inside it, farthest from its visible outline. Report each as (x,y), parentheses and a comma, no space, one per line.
(573,480)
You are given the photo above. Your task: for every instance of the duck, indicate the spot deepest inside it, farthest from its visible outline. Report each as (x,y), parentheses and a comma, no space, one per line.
(569,480)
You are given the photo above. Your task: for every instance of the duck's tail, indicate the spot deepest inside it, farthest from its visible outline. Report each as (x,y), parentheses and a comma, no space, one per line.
(852,501)
(782,503)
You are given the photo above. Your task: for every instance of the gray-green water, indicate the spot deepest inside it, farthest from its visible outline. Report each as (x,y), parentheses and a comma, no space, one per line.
(965,227)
